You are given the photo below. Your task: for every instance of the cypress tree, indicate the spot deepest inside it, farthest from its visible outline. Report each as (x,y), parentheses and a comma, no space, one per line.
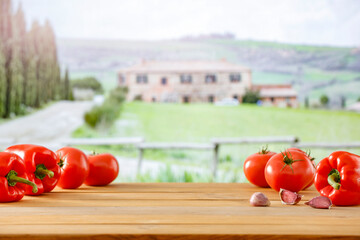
(6,39)
(66,85)
(18,64)
(29,68)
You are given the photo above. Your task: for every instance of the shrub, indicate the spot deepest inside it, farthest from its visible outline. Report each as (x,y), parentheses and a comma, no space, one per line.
(251,96)
(92,117)
(109,111)
(324,100)
(88,82)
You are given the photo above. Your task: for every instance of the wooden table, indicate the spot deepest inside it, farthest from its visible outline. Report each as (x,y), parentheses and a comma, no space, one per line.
(171,211)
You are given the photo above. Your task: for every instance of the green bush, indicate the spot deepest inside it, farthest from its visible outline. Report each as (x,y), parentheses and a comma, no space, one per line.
(251,96)
(92,117)
(324,100)
(109,111)
(88,82)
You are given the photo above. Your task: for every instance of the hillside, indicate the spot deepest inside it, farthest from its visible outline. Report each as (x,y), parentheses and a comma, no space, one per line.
(314,70)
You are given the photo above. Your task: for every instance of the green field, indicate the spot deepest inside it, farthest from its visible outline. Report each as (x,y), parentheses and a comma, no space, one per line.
(200,122)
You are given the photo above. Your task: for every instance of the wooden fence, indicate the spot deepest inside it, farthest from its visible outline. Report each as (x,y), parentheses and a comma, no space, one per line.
(214,145)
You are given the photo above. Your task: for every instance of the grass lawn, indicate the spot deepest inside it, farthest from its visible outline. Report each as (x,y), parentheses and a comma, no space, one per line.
(200,122)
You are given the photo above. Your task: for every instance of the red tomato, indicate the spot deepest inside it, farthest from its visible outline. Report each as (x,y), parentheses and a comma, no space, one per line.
(310,158)
(290,170)
(103,169)
(295,149)
(75,167)
(254,167)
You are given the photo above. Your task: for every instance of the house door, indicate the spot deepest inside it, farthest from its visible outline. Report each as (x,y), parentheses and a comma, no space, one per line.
(186,99)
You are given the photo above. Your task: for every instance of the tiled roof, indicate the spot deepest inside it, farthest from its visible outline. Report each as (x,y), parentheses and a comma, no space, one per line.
(278,92)
(184,67)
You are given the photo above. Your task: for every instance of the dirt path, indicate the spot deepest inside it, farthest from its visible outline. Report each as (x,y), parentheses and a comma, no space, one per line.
(47,126)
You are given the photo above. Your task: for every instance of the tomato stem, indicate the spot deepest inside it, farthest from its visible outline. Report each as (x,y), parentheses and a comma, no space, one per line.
(13,179)
(264,150)
(288,161)
(334,179)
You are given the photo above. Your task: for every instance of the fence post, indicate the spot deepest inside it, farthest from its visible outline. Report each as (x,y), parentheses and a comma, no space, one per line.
(140,159)
(215,160)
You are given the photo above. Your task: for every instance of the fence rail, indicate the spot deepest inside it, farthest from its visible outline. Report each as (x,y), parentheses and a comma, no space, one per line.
(328,145)
(103,141)
(214,145)
(249,140)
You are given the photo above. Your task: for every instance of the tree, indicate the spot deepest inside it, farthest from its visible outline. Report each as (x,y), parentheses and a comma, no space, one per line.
(87,83)
(29,69)
(5,38)
(66,85)
(251,96)
(18,63)
(324,100)
(307,102)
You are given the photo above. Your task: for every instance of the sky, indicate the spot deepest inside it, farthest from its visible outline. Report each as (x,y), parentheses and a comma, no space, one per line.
(315,22)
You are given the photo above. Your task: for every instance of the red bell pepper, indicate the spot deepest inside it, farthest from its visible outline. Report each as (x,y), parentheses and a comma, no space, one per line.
(13,178)
(338,178)
(41,166)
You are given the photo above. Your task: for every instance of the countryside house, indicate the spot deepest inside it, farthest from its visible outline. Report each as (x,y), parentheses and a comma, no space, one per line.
(185,81)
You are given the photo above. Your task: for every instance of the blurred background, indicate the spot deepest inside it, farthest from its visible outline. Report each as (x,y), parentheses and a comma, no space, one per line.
(181,90)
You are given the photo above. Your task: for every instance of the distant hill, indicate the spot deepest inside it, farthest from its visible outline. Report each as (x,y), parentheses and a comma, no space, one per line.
(313,70)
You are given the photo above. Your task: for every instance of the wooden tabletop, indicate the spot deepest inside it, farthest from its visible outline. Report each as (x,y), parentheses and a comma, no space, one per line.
(171,211)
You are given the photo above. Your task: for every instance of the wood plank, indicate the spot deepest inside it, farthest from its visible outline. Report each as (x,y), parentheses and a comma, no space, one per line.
(277,210)
(298,231)
(171,210)
(182,219)
(41,202)
(155,196)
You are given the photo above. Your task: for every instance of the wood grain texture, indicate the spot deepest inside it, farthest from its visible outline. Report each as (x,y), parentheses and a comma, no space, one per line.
(172,211)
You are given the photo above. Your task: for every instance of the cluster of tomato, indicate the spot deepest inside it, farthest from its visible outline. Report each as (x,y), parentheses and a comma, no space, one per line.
(336,177)
(28,169)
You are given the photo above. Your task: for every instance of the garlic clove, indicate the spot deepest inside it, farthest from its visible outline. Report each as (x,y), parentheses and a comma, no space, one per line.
(288,197)
(320,202)
(259,199)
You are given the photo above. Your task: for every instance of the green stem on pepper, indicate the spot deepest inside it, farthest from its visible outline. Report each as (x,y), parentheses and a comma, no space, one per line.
(334,179)
(42,171)
(13,179)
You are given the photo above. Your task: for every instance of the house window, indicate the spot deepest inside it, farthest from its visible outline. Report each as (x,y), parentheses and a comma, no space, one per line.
(141,79)
(185,78)
(211,99)
(186,99)
(210,78)
(163,81)
(235,97)
(235,77)
(153,99)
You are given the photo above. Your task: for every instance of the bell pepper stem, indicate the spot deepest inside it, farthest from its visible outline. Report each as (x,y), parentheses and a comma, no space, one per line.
(42,171)
(334,179)
(47,172)
(13,179)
